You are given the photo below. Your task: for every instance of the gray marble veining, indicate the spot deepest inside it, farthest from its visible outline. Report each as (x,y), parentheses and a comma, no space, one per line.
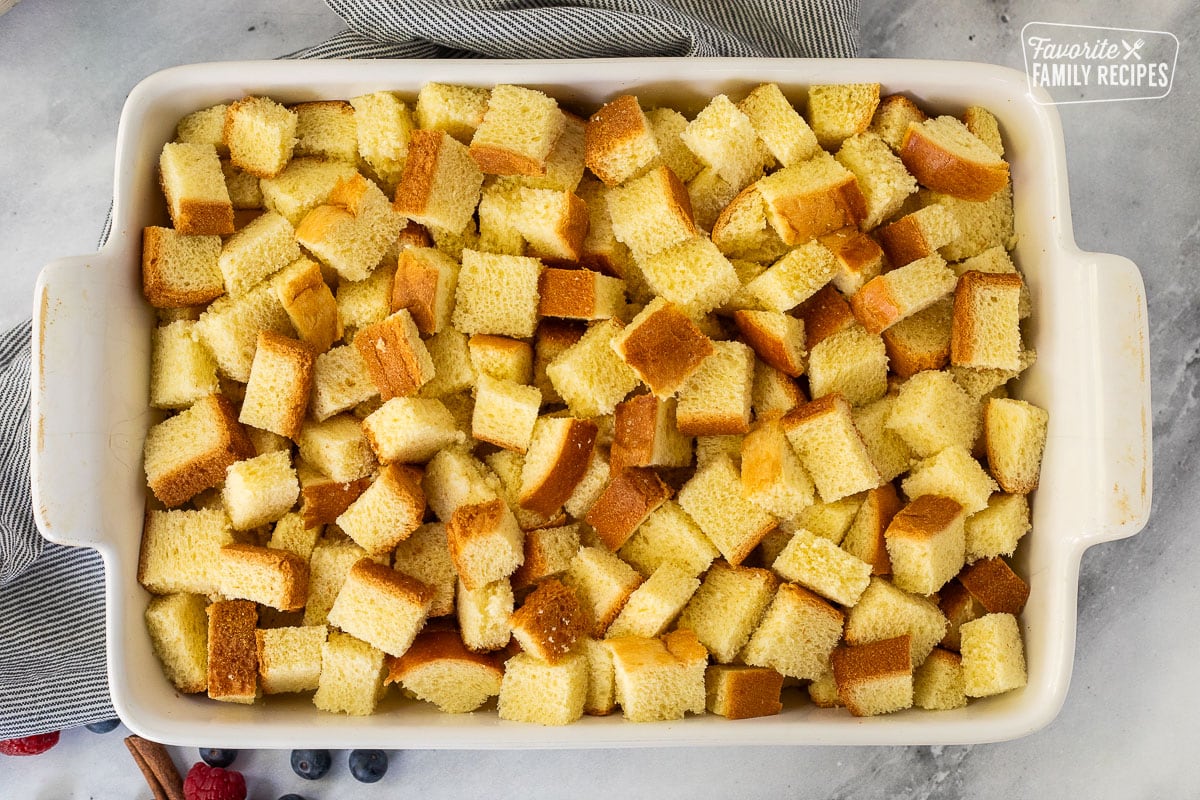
(1130,722)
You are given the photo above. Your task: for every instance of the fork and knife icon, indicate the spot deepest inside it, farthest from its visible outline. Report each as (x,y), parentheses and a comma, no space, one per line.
(1132,49)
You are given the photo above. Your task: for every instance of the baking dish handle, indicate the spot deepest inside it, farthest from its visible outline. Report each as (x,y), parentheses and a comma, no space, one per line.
(69,450)
(1124,424)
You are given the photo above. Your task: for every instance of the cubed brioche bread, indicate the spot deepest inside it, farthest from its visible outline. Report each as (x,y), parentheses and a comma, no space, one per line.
(986,331)
(859,258)
(838,111)
(993,656)
(410,430)
(1015,435)
(505,413)
(996,530)
(590,374)
(885,300)
(939,684)
(886,448)
(713,499)
(946,157)
(194,186)
(364,302)
(669,536)
(651,213)
(281,378)
(382,607)
(709,195)
(353,230)
(632,494)
(257,251)
(425,556)
(992,582)
(875,678)
(328,567)
(260,490)
(774,393)
(558,457)
(885,611)
(741,229)
(289,659)
(645,434)
(395,355)
(659,678)
(384,127)
(831,448)
(425,284)
(310,304)
(206,126)
(438,668)
(864,539)
(827,520)
(892,116)
(716,399)
(797,633)
(772,476)
(232,651)
(497,294)
(603,583)
(951,473)
(536,691)
(190,451)
(819,565)
(388,511)
(921,341)
(483,615)
(727,607)
(985,127)
(501,358)
(852,363)
(812,198)
(918,234)
(655,604)
(457,110)
(326,129)
(341,381)
(351,676)
(178,628)
(794,278)
(486,543)
(777,338)
(440,184)
(932,413)
(182,370)
(302,186)
(881,176)
(724,138)
(518,131)
(180,270)
(668,124)
(454,478)
(548,554)
(619,141)
(549,622)
(825,314)
(734,691)
(291,534)
(663,346)
(926,543)
(274,578)
(580,294)
(260,135)
(784,132)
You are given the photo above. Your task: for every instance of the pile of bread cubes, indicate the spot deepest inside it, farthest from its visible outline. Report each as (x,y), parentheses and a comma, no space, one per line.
(472,395)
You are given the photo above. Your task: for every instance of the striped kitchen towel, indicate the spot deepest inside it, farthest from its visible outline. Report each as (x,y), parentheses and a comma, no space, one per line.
(52,664)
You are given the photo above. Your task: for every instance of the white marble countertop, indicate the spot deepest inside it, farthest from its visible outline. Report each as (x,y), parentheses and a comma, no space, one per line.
(1131,720)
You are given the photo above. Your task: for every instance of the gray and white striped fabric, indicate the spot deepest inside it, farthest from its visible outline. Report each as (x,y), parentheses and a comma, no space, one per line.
(52,662)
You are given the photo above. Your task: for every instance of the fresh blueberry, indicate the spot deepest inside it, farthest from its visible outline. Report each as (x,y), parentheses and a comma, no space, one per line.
(368,766)
(218,757)
(102,727)
(291,797)
(310,764)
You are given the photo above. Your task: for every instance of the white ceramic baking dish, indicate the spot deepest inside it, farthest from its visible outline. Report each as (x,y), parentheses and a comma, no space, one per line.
(89,413)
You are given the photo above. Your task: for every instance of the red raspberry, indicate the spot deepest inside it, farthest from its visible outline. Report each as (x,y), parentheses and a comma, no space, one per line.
(30,745)
(213,783)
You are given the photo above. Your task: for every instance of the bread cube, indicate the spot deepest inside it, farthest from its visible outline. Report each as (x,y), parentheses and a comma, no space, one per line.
(289,659)
(178,627)
(425,283)
(549,622)
(785,133)
(1015,435)
(724,138)
(485,542)
(310,305)
(812,198)
(564,165)
(385,125)
(794,278)
(440,184)
(619,142)
(341,381)
(451,357)
(820,565)
(734,691)
(260,134)
(885,611)
(395,355)
(892,117)
(838,111)
(588,489)
(601,693)
(645,434)
(663,346)
(992,582)
(995,530)
(304,184)
(352,230)
(727,607)
(774,393)
(206,126)
(457,110)
(667,125)
(291,534)
(281,378)
(797,633)
(946,157)
(260,490)
(351,676)
(777,338)
(603,583)
(875,678)
(716,398)
(439,669)
(693,274)
(865,537)
(590,375)
(497,294)
(772,475)
(326,129)
(554,223)
(918,235)
(885,300)
(483,614)
(364,302)
(381,606)
(921,341)
(425,556)
(632,495)
(951,473)
(180,270)
(194,186)
(580,294)
(232,651)
(536,691)
(659,678)
(507,465)
(181,370)
(505,413)
(498,212)
(410,429)
(274,578)
(827,520)
(190,451)
(938,684)
(823,691)
(926,543)
(993,655)
(887,449)
(852,363)
(713,498)
(548,553)
(518,132)
(454,478)
(602,250)
(655,604)
(831,448)
(741,230)
(859,258)
(882,178)
(982,225)
(825,314)
(669,536)
(651,213)
(387,512)
(932,412)
(328,567)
